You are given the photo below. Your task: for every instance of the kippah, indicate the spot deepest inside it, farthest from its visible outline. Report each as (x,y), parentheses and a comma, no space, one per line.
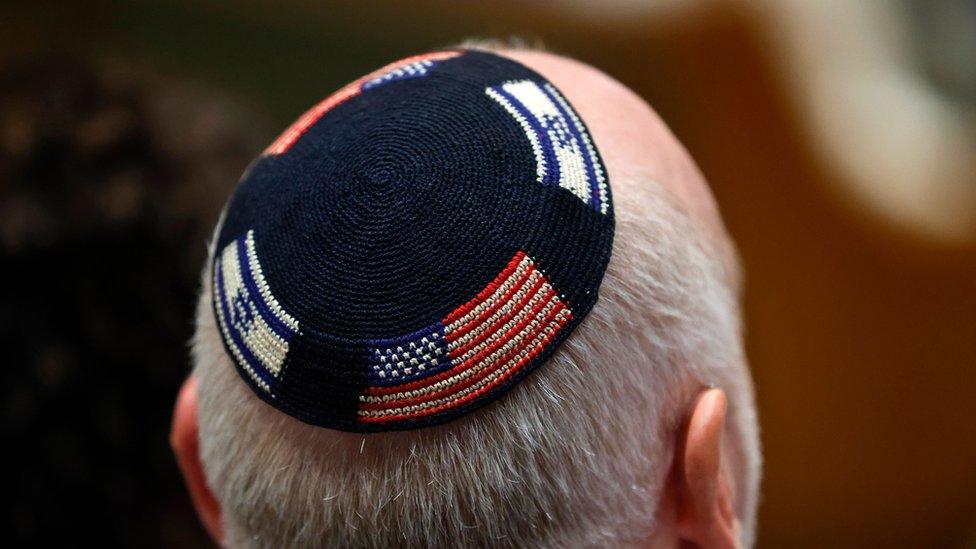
(414,245)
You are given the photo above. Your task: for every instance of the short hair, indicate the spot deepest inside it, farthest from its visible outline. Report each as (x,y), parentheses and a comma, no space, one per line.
(577,455)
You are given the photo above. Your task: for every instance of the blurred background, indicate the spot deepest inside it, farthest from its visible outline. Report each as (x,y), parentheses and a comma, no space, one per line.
(839,139)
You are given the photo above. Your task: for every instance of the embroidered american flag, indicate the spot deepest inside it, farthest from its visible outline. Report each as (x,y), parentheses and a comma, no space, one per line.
(472,350)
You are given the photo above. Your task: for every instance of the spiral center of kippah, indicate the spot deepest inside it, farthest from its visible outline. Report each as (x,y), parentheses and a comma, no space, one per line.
(385,177)
(414,245)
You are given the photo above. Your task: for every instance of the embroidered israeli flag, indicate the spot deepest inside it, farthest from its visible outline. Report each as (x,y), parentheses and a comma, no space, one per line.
(563,150)
(255,328)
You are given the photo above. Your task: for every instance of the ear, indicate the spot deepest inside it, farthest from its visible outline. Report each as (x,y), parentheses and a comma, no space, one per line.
(184,438)
(704,489)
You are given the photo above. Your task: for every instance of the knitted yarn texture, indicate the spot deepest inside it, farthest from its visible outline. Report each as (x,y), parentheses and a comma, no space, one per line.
(414,245)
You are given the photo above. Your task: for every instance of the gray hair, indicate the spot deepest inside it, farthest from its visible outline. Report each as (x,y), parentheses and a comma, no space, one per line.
(576,455)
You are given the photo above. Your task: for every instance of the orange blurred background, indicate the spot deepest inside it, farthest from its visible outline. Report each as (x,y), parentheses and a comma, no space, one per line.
(860,299)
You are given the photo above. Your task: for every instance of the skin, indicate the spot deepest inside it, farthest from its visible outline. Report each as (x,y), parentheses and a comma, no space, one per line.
(696,506)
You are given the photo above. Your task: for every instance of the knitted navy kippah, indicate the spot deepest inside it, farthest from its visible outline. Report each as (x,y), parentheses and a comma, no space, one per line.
(414,245)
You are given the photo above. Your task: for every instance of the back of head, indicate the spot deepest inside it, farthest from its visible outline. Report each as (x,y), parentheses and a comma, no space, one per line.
(576,455)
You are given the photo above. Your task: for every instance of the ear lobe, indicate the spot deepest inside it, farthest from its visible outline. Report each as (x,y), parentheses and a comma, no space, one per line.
(184,438)
(705,515)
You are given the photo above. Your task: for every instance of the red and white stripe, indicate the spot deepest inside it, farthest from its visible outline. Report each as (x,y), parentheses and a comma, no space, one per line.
(489,339)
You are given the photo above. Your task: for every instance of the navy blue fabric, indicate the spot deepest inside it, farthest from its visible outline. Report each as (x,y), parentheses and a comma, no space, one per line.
(393,209)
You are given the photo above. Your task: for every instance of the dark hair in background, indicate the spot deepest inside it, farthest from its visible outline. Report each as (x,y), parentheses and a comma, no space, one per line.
(110,183)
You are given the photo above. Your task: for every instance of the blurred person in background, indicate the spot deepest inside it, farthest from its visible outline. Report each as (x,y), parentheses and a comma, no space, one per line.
(109,181)
(642,430)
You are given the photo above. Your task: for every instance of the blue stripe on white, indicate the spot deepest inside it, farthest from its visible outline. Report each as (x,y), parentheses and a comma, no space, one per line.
(255,327)
(563,150)
(594,171)
(547,166)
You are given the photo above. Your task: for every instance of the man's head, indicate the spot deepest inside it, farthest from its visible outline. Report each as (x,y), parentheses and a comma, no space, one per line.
(639,428)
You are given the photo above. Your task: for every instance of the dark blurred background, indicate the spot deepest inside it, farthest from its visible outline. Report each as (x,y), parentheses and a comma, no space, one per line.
(839,139)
